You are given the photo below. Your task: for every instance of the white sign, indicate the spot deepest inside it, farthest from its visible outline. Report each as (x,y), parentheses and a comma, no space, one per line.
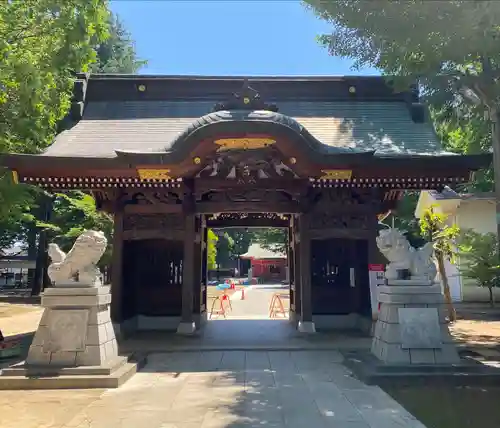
(376,275)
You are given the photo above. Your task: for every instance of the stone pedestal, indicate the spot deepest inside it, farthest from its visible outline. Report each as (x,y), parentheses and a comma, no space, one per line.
(186,327)
(75,329)
(411,327)
(74,345)
(306,327)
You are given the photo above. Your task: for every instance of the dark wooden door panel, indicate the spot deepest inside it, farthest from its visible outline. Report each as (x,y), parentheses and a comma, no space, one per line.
(337,275)
(154,272)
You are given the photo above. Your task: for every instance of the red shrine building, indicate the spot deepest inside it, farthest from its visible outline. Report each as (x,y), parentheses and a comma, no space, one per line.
(266,264)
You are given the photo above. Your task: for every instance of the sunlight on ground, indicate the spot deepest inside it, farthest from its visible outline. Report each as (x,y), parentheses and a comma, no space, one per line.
(476,332)
(18,319)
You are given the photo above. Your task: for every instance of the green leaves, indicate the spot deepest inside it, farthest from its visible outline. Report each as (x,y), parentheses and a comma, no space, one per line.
(42,42)
(434,227)
(117,53)
(212,239)
(480,257)
(271,238)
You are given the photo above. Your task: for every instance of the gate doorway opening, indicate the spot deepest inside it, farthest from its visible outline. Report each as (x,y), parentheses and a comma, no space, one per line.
(248,272)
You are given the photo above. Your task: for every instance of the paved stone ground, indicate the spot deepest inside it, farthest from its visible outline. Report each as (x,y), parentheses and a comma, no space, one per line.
(230,389)
(246,334)
(256,302)
(18,318)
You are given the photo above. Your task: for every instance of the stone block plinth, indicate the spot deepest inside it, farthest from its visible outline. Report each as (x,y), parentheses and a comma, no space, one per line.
(75,329)
(411,327)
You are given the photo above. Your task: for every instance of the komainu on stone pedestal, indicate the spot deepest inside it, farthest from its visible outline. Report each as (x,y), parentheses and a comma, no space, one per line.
(78,268)
(403,257)
(76,328)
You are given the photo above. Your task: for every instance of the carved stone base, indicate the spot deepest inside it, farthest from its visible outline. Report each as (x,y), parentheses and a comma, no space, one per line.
(306,327)
(411,327)
(186,328)
(75,329)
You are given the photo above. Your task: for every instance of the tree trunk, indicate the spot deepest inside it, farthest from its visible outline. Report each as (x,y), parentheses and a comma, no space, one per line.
(446,287)
(492,296)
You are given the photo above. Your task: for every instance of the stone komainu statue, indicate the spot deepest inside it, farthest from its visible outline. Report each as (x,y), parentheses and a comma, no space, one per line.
(402,256)
(78,268)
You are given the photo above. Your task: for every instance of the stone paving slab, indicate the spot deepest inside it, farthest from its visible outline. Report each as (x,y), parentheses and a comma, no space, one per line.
(245,335)
(217,389)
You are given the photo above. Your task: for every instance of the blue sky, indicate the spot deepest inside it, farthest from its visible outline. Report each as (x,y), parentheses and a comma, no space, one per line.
(231,37)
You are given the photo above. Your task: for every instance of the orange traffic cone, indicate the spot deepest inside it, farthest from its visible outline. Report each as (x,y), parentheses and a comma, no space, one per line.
(242,294)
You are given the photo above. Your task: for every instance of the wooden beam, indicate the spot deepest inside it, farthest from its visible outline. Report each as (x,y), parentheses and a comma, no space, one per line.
(247,222)
(153,209)
(320,234)
(247,207)
(135,235)
(291,185)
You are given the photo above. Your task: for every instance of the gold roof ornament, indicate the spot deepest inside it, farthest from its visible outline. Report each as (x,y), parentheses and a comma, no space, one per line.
(154,174)
(243,143)
(246,99)
(336,174)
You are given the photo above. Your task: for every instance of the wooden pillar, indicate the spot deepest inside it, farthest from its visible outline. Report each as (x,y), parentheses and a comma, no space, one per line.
(290,267)
(306,324)
(187,324)
(296,268)
(199,252)
(117,295)
(204,267)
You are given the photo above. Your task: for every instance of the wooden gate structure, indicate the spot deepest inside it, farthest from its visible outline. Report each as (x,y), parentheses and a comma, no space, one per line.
(170,156)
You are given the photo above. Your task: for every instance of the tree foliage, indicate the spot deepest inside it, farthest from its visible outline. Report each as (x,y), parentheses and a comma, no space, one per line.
(479,254)
(434,227)
(117,53)
(50,41)
(72,213)
(212,239)
(272,238)
(450,47)
(42,42)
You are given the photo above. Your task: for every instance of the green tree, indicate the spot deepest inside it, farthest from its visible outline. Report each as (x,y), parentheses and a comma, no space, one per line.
(41,43)
(117,53)
(212,239)
(272,238)
(449,47)
(44,43)
(224,247)
(241,239)
(75,211)
(479,254)
(434,227)
(72,213)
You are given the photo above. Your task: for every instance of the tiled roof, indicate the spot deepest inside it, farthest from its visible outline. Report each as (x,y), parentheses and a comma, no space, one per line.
(144,126)
(255,251)
(447,194)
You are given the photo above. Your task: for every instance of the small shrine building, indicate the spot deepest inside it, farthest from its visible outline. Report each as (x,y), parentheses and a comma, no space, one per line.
(170,156)
(266,264)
